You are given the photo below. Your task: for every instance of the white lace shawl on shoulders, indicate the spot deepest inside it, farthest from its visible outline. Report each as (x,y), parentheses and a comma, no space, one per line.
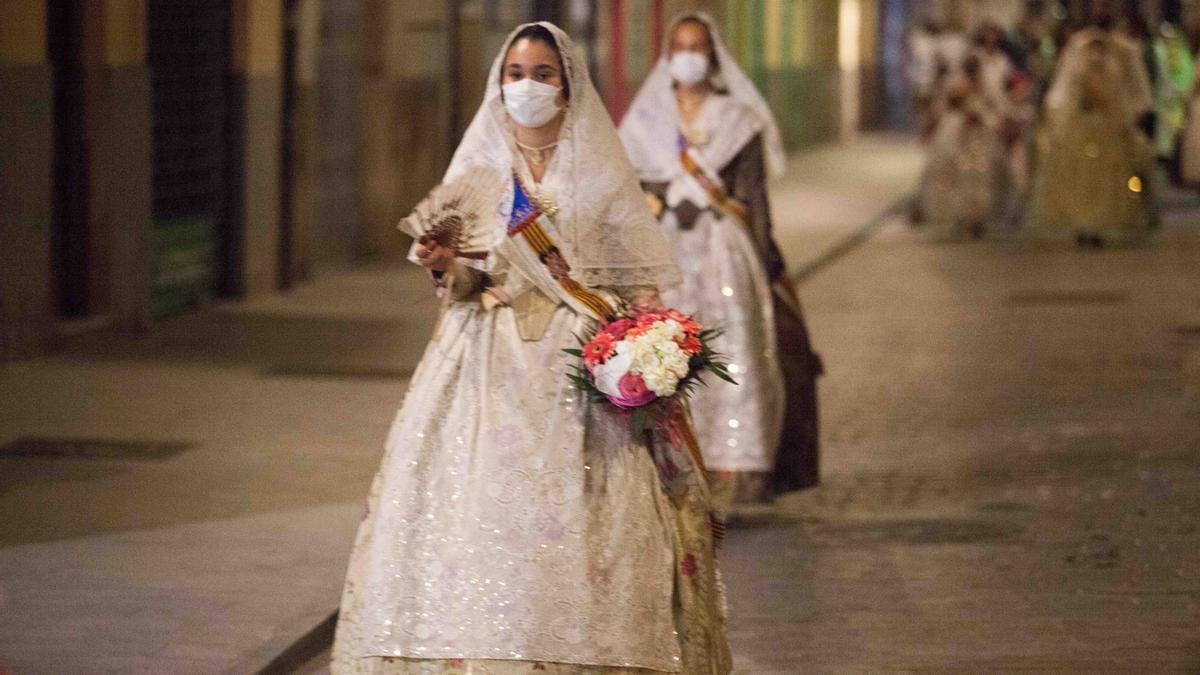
(651,127)
(610,236)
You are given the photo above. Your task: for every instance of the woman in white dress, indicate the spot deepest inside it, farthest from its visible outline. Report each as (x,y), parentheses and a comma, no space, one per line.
(703,142)
(965,173)
(514,526)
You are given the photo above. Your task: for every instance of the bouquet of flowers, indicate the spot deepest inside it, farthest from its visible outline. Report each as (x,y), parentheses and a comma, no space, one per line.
(646,362)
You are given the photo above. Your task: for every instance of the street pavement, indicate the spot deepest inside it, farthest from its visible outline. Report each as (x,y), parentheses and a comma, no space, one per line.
(1011,460)
(1012,465)
(217,558)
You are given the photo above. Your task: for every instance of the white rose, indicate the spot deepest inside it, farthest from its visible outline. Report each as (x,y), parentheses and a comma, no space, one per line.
(608,375)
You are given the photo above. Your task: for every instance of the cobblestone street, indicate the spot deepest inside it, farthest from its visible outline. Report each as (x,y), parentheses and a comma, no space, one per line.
(1011,460)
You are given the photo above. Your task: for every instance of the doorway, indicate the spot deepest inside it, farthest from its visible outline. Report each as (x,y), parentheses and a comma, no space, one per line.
(194,253)
(70,231)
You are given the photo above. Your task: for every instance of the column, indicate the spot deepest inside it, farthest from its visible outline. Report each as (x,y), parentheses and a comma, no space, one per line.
(120,161)
(404,131)
(301,156)
(257,39)
(26,152)
(849,61)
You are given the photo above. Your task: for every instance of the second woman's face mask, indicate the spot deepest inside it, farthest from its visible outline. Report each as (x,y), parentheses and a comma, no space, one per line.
(688,68)
(531,104)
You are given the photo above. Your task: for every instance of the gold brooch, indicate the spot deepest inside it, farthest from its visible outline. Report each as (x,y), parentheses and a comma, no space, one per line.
(545,203)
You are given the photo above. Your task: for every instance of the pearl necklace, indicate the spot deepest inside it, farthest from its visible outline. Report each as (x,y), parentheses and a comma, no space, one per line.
(536,155)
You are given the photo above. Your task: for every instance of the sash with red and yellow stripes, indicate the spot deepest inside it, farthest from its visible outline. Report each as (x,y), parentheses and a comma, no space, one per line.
(731,207)
(710,184)
(543,258)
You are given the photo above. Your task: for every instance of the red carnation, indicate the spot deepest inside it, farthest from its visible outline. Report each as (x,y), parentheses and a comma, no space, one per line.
(617,328)
(677,316)
(689,343)
(649,318)
(636,331)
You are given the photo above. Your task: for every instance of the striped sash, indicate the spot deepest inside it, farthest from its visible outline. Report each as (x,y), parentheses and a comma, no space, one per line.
(690,159)
(544,261)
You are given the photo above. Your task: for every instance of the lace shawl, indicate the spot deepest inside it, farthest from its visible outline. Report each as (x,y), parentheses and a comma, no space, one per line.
(651,126)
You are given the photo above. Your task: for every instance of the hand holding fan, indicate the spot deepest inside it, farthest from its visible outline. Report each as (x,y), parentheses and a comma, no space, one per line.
(459,214)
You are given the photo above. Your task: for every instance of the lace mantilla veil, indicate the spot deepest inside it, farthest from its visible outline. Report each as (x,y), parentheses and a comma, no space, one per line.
(610,237)
(651,125)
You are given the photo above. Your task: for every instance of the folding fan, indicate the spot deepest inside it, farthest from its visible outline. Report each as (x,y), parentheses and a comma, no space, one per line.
(459,214)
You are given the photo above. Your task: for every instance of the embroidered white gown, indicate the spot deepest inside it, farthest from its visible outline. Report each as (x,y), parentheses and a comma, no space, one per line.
(513,526)
(965,173)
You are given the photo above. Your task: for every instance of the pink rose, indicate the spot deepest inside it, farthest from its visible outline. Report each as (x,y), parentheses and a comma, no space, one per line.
(632,386)
(634,393)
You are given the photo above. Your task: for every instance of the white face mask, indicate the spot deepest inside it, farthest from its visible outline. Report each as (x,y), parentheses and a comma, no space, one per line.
(531,104)
(688,68)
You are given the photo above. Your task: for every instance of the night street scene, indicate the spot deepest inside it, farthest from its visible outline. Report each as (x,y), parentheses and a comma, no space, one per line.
(599,336)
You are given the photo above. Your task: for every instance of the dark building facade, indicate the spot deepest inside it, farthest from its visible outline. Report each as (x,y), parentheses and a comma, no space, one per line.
(156,155)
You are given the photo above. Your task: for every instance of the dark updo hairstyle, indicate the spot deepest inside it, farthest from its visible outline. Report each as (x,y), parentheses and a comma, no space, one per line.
(539,33)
